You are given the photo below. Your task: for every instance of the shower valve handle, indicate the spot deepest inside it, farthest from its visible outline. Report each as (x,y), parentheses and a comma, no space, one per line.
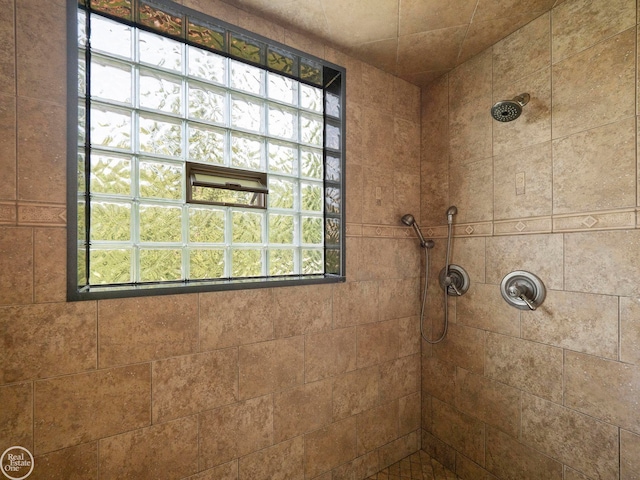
(521,293)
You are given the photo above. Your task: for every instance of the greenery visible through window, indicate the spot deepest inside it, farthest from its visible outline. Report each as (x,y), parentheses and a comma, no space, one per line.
(158,98)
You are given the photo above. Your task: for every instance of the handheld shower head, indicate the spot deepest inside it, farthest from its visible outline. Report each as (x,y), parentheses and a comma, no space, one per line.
(409,221)
(451,211)
(508,110)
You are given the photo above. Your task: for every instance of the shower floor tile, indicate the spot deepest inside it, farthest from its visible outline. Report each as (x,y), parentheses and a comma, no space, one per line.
(419,466)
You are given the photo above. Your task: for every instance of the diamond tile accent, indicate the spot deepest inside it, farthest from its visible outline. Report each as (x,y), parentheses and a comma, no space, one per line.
(520,226)
(469,230)
(430,232)
(589,221)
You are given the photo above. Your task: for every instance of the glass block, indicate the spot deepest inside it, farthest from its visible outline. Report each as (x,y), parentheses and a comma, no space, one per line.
(246,113)
(311,163)
(82,267)
(82,219)
(332,199)
(332,231)
(332,261)
(281,88)
(311,197)
(160,180)
(282,61)
(159,223)
(160,265)
(282,158)
(110,266)
(332,105)
(81,174)
(333,167)
(246,152)
(160,51)
(110,175)
(246,262)
(206,35)
(282,122)
(311,129)
(312,261)
(206,104)
(206,144)
(281,229)
(311,71)
(110,128)
(111,37)
(160,92)
(246,48)
(281,262)
(82,28)
(206,65)
(281,193)
(206,263)
(163,138)
(82,123)
(220,196)
(206,225)
(117,8)
(110,80)
(247,78)
(82,75)
(312,230)
(246,227)
(110,221)
(333,137)
(161,20)
(311,98)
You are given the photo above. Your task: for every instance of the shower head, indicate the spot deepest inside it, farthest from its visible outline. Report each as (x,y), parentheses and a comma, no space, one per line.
(451,211)
(409,221)
(508,110)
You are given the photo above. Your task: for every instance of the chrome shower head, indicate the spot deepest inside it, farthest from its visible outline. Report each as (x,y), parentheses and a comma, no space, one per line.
(409,221)
(509,110)
(451,211)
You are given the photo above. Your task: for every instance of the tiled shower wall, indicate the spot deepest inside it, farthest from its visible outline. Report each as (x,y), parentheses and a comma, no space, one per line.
(304,382)
(554,393)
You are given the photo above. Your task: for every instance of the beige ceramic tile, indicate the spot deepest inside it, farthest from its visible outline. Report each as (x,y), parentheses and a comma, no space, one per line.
(270,366)
(508,458)
(434,190)
(354,132)
(577,440)
(531,42)
(603,262)
(189,384)
(605,389)
(409,413)
(492,402)
(439,379)
(409,336)
(470,130)
(538,254)
(106,402)
(73,463)
(630,330)
(302,309)
(471,190)
(227,471)
(16,262)
(406,104)
(8,141)
(362,467)
(488,9)
(46,340)
(329,354)
(434,117)
(377,138)
(483,307)
(571,474)
(406,193)
(329,447)
(465,468)
(469,253)
(8,49)
(235,431)
(285,460)
(576,321)
(378,196)
(50,264)
(470,81)
(353,247)
(399,378)
(377,427)
(398,449)
(579,24)
(420,16)
(354,194)
(377,343)
(261,26)
(463,347)
(412,48)
(439,450)
(464,433)
(532,367)
(41,69)
(146,328)
(377,87)
(215,8)
(162,452)
(399,298)
(247,317)
(302,409)
(355,303)
(355,392)
(629,455)
(587,85)
(16,415)
(592,169)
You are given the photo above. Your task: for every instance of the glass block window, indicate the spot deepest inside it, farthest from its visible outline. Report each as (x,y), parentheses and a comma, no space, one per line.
(207,157)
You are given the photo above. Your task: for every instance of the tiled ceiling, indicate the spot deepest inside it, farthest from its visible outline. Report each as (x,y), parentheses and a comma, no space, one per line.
(417,40)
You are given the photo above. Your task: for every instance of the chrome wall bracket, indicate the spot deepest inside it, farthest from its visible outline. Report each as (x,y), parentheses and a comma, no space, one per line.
(456,281)
(523,290)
